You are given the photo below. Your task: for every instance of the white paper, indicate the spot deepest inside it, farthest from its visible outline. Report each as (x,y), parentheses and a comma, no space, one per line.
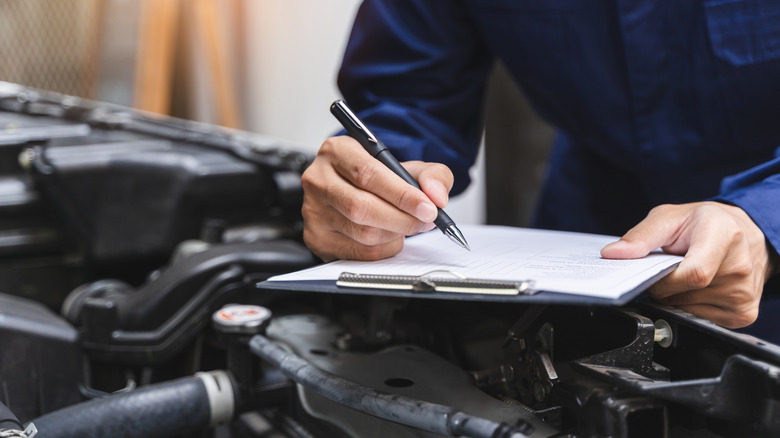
(555,261)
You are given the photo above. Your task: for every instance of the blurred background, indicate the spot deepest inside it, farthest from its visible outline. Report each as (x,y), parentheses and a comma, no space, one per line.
(266,66)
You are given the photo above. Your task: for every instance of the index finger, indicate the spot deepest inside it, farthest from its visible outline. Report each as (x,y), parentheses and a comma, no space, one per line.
(362,170)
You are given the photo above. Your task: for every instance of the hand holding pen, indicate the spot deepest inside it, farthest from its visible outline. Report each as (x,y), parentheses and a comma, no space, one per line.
(355,207)
(360,132)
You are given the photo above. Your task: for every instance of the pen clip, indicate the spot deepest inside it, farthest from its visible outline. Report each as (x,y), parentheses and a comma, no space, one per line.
(341,105)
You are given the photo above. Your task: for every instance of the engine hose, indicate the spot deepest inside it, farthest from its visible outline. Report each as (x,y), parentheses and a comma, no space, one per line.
(419,414)
(161,410)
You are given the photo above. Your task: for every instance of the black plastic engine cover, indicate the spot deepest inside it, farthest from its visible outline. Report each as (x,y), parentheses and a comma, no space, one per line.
(139,198)
(91,190)
(40,369)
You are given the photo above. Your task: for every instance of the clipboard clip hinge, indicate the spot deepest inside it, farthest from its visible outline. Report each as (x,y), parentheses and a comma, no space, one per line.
(435,281)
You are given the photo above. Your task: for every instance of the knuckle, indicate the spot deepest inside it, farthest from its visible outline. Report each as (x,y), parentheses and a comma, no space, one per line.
(314,209)
(742,306)
(750,316)
(406,198)
(329,146)
(737,234)
(371,252)
(308,238)
(312,240)
(742,269)
(308,179)
(312,180)
(365,173)
(377,252)
(356,209)
(662,209)
(738,297)
(744,317)
(367,235)
(731,231)
(699,276)
(307,211)
(444,171)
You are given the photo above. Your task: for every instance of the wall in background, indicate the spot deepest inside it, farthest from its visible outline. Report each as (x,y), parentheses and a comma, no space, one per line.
(51,45)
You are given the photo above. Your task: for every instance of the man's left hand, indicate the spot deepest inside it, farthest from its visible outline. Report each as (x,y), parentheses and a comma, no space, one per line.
(727,259)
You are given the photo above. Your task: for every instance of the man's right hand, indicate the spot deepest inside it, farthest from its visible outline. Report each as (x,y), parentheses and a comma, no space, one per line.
(356,208)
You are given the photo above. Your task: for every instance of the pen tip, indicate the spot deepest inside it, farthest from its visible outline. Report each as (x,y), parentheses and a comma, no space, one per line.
(456,236)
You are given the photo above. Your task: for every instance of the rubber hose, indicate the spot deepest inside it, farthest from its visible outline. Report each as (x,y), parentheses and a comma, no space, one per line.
(161,410)
(419,414)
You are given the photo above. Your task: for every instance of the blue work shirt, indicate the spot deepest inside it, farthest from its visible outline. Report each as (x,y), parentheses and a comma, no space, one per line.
(655,102)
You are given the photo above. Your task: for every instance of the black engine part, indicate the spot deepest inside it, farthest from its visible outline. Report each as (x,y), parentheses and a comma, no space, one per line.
(32,340)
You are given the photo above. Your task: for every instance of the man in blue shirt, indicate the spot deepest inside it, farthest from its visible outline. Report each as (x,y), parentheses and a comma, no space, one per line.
(668,115)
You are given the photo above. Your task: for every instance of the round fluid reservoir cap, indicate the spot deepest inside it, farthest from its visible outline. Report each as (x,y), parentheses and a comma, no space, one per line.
(241,318)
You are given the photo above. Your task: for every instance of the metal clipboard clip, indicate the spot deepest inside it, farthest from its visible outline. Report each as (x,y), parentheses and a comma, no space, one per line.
(435,281)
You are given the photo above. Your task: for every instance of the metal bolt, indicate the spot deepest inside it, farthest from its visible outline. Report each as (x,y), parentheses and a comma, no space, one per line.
(540,391)
(26,158)
(663,333)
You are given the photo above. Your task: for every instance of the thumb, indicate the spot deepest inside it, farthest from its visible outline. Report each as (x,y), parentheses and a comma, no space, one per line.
(659,229)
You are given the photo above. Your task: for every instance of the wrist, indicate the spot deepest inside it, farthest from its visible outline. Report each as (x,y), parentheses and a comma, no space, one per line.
(772,267)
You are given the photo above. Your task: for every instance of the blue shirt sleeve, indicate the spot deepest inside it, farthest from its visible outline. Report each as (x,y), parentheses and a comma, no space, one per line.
(757,191)
(415,72)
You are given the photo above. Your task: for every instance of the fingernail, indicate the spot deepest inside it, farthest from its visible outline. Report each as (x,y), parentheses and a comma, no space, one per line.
(426,212)
(616,245)
(613,249)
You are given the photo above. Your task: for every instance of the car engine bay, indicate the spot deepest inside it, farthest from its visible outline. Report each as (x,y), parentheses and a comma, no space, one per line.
(131,249)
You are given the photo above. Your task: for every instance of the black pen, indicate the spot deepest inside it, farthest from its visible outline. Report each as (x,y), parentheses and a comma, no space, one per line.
(357,130)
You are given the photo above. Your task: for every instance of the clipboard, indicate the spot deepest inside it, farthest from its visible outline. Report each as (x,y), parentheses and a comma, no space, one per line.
(399,289)
(506,264)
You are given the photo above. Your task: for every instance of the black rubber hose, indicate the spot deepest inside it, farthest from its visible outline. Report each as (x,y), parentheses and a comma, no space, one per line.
(419,414)
(162,410)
